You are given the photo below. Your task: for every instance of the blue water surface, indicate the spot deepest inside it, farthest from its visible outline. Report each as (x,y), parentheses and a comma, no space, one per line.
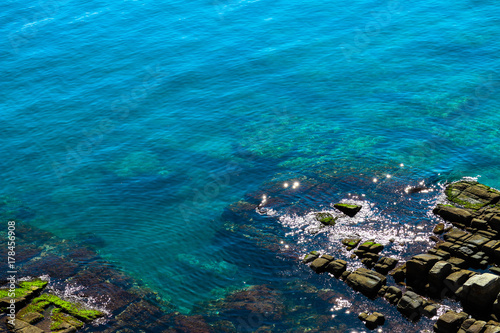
(133,125)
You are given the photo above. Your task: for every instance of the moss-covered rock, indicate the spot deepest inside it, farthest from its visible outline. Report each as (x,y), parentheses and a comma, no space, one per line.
(311,256)
(73,309)
(64,316)
(62,321)
(348,209)
(471,194)
(350,243)
(22,294)
(326,218)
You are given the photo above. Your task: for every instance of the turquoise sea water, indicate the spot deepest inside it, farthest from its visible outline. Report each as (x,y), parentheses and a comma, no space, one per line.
(134,125)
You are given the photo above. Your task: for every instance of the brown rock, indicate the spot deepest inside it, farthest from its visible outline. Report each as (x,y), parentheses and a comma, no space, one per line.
(479,291)
(417,269)
(449,322)
(410,305)
(366,281)
(319,265)
(453,214)
(438,229)
(456,280)
(336,267)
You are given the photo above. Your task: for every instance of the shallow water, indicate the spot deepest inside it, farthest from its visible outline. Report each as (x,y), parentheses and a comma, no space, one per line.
(134,125)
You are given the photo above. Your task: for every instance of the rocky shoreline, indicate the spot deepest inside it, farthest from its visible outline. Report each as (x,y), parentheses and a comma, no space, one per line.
(455,268)
(461,269)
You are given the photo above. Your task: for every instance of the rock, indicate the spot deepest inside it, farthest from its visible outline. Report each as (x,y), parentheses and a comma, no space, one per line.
(336,267)
(453,214)
(417,269)
(438,273)
(472,326)
(310,257)
(479,224)
(440,253)
(471,194)
(490,246)
(374,320)
(496,255)
(371,247)
(382,291)
(32,317)
(458,262)
(444,246)
(430,310)
(319,264)
(494,222)
(495,310)
(348,209)
(21,326)
(385,264)
(326,218)
(491,329)
(368,262)
(466,324)
(456,235)
(434,239)
(477,240)
(345,275)
(351,243)
(363,315)
(366,281)
(399,274)
(438,229)
(450,322)
(495,270)
(410,305)
(479,291)
(456,280)
(393,294)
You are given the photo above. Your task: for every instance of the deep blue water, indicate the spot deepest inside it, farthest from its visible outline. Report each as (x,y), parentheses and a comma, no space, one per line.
(133,125)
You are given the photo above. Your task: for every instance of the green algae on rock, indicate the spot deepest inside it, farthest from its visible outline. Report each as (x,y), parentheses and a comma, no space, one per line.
(349,209)
(73,309)
(471,194)
(63,321)
(311,256)
(350,243)
(25,291)
(326,218)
